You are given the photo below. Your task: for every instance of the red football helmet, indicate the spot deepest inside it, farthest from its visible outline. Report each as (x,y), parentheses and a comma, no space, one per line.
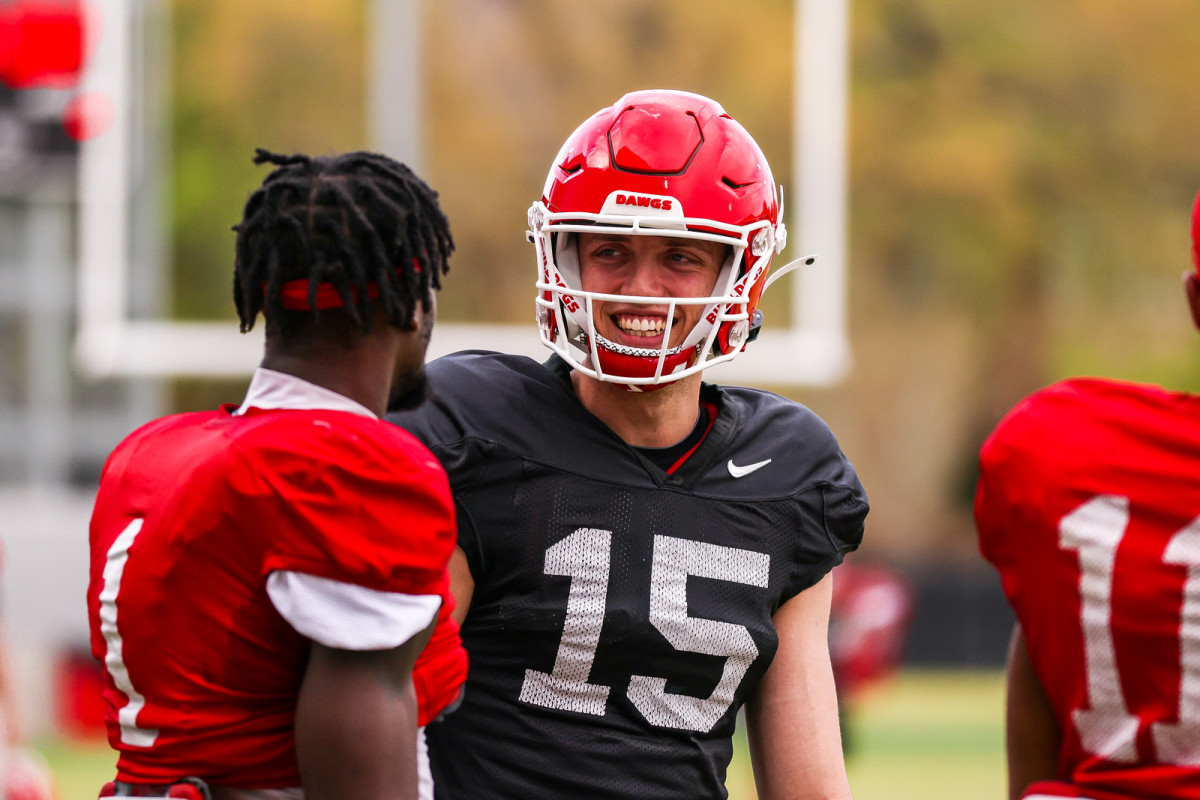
(656,163)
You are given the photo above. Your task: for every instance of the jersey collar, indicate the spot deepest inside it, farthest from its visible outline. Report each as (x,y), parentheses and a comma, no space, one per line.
(724,423)
(270,390)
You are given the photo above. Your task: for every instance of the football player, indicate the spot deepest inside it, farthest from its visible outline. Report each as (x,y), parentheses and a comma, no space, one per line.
(1088,504)
(641,554)
(264,577)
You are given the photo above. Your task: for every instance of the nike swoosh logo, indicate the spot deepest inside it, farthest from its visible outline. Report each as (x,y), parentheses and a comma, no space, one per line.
(741,472)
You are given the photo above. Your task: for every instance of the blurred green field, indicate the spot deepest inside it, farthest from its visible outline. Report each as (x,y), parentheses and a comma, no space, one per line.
(923,735)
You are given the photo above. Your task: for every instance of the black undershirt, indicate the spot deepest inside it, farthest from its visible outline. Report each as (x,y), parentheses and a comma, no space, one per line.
(665,457)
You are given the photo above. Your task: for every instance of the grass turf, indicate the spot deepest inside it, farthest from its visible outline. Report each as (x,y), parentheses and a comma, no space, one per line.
(923,735)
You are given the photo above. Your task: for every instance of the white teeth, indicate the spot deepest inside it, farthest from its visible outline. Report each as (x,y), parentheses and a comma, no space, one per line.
(641,326)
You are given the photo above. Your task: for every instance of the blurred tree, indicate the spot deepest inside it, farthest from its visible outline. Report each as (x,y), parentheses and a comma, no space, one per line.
(1020,178)
(507,90)
(282,75)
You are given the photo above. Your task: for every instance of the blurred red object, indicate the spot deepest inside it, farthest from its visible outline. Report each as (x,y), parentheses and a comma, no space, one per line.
(27,776)
(87,115)
(42,42)
(868,624)
(79,692)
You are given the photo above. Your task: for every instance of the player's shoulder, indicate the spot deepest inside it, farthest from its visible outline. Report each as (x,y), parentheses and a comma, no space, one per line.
(1076,412)
(484,377)
(186,420)
(165,430)
(486,395)
(1098,393)
(468,362)
(277,438)
(761,427)
(765,415)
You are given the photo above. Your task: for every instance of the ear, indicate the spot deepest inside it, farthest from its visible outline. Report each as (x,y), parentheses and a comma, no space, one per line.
(1191,285)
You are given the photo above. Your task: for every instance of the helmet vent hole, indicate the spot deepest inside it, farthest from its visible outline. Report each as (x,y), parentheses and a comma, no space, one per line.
(732,184)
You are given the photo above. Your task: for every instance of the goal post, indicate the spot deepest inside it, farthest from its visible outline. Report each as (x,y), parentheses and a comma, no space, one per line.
(112,342)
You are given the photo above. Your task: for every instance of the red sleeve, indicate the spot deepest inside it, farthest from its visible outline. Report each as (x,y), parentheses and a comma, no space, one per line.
(1017,476)
(441,668)
(347,499)
(995,505)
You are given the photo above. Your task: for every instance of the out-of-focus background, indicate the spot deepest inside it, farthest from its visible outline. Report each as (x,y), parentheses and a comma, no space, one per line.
(999,192)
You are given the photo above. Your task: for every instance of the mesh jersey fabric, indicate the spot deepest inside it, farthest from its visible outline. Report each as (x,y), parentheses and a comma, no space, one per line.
(621,616)
(1087,505)
(194,512)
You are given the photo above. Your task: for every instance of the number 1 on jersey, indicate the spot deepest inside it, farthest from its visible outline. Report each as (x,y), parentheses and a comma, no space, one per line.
(584,557)
(114,657)
(1180,744)
(1106,728)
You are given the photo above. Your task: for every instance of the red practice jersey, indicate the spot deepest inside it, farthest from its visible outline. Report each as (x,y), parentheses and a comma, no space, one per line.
(1088,504)
(194,512)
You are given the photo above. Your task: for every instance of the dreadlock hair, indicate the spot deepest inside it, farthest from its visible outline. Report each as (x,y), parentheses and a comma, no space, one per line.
(359,224)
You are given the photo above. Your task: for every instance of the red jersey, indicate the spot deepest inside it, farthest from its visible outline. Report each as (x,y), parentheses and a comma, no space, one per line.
(194,512)
(1088,504)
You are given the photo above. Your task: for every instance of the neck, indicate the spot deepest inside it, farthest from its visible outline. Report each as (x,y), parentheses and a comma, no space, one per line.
(362,373)
(650,419)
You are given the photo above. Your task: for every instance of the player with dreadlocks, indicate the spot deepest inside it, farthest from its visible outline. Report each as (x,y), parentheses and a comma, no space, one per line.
(293,239)
(264,577)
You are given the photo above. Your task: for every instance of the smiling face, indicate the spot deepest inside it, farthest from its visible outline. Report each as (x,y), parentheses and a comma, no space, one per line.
(647,266)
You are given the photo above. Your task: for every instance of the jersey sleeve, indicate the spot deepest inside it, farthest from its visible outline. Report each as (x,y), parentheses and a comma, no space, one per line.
(835,518)
(1007,495)
(440,670)
(347,616)
(993,509)
(833,509)
(367,506)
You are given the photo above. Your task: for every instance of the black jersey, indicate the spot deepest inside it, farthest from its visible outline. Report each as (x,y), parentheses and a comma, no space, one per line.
(621,616)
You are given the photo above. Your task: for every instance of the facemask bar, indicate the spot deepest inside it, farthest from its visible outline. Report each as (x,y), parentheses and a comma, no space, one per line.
(579,349)
(593,365)
(578,343)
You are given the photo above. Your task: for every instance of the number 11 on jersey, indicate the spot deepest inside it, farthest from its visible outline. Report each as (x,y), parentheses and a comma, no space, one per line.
(1106,728)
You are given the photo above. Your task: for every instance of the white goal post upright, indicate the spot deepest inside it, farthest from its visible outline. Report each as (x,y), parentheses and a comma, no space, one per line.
(110,342)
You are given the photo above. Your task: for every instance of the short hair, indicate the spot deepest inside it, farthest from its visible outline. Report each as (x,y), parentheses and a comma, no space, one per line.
(359,225)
